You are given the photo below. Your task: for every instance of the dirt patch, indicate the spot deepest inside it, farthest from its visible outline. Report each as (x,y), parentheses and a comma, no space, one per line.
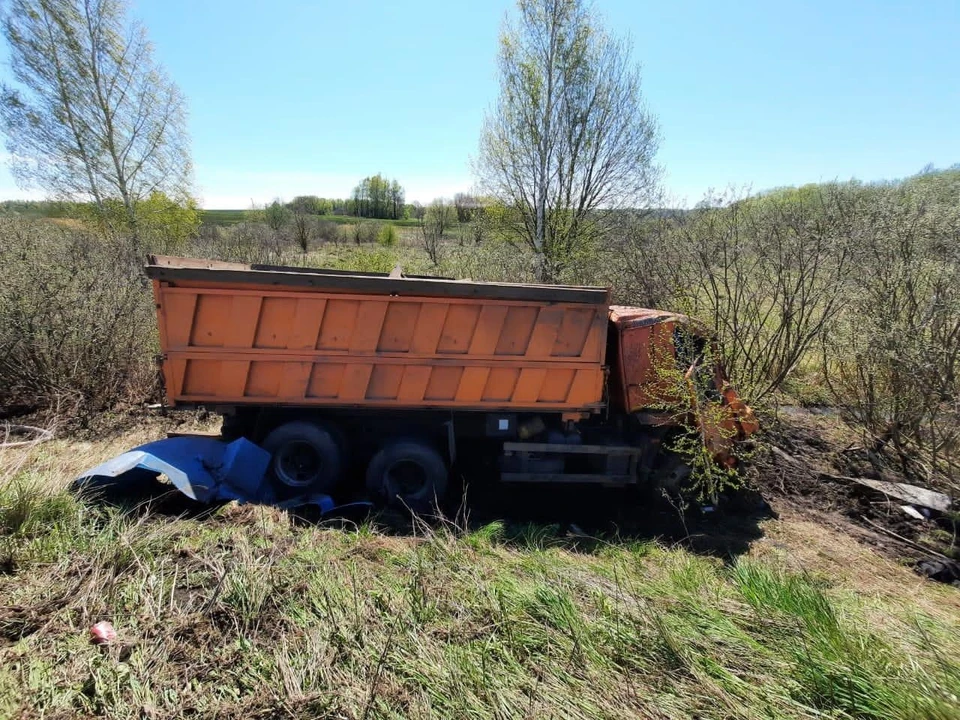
(807,470)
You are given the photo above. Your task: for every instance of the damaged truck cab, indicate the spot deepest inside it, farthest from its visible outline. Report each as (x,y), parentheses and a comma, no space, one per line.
(400,379)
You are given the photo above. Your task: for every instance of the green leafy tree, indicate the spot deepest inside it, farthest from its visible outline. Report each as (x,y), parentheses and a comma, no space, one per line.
(377,197)
(90,115)
(277,215)
(570,136)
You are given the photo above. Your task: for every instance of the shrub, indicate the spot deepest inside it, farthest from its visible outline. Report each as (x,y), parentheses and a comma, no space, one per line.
(327,231)
(77,322)
(387,235)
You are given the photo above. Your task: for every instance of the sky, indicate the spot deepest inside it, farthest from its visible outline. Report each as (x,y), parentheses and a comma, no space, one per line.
(294,97)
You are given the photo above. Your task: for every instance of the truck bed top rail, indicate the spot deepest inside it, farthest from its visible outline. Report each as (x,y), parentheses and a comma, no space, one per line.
(177,270)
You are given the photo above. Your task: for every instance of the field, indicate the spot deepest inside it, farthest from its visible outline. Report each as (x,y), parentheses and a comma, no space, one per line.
(225,218)
(252,612)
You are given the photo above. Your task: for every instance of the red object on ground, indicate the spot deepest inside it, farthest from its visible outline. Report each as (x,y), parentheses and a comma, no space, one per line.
(103,633)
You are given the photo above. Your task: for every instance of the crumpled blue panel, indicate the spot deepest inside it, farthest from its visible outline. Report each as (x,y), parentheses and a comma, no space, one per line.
(202,468)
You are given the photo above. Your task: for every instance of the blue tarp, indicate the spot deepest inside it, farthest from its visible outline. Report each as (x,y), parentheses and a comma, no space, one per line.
(205,469)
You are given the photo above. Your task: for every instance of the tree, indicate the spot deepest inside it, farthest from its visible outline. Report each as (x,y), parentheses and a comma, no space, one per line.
(303,228)
(570,136)
(466,206)
(277,215)
(377,197)
(434,222)
(94,118)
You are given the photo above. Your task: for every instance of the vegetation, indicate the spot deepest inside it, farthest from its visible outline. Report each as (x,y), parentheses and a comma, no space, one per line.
(840,294)
(76,320)
(377,197)
(244,612)
(570,134)
(92,117)
(844,294)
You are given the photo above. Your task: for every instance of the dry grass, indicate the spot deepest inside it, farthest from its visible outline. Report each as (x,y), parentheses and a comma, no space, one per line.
(246,613)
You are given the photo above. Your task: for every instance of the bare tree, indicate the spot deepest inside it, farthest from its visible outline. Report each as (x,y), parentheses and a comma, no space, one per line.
(93,116)
(437,219)
(570,136)
(303,228)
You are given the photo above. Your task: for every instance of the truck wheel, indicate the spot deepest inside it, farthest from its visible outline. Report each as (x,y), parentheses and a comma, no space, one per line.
(672,473)
(408,473)
(305,456)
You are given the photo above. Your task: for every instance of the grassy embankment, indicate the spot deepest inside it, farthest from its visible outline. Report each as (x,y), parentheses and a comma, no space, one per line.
(245,613)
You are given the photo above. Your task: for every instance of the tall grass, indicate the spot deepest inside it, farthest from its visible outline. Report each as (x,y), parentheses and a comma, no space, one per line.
(245,613)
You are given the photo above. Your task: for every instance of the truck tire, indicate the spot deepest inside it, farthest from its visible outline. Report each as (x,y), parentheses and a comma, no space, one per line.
(305,457)
(408,474)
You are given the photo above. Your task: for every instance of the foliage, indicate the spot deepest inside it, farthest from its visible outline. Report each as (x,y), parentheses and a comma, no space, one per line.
(377,197)
(77,324)
(570,134)
(894,359)
(851,287)
(685,388)
(768,275)
(277,215)
(436,221)
(161,223)
(271,616)
(92,116)
(387,235)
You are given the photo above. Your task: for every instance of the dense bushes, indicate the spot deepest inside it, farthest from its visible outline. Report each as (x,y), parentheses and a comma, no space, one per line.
(847,294)
(77,327)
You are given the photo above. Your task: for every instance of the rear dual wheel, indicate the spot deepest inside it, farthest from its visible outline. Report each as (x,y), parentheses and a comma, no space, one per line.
(305,458)
(404,473)
(408,474)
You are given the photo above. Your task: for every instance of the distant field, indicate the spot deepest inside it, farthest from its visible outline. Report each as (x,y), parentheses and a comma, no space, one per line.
(222,217)
(232,217)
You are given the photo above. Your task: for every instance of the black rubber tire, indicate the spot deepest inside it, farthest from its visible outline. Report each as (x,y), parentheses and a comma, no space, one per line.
(672,473)
(427,492)
(323,465)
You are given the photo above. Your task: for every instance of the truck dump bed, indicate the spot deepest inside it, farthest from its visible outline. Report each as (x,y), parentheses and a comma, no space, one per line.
(235,334)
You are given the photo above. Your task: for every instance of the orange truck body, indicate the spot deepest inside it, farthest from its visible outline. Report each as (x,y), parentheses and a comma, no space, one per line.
(233,334)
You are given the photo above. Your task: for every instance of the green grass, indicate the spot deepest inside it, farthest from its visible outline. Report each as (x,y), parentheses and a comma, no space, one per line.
(221,217)
(244,613)
(233,217)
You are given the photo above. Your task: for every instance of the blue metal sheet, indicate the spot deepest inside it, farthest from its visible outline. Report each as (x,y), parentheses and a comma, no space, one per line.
(202,468)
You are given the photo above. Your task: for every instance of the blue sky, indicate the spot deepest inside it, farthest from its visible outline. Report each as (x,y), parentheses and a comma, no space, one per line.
(295,97)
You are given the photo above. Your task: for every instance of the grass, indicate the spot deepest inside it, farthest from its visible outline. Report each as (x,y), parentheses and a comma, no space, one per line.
(233,217)
(243,612)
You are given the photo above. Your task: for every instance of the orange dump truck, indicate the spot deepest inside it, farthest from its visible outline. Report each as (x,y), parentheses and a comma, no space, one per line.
(401,378)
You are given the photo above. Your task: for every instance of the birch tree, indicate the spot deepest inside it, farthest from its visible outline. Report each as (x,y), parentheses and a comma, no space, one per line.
(91,116)
(569,139)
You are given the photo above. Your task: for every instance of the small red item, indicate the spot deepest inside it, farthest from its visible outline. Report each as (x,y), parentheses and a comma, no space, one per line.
(103,633)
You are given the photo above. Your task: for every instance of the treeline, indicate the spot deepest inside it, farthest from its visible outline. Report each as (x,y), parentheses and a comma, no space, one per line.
(376,197)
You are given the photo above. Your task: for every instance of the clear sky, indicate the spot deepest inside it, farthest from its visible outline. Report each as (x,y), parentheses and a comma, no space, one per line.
(307,97)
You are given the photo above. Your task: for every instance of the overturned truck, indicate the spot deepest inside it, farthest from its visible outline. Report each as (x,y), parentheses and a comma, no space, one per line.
(401,380)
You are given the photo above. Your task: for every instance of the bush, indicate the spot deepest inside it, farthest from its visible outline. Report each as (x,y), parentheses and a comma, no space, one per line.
(328,232)
(387,235)
(893,361)
(77,323)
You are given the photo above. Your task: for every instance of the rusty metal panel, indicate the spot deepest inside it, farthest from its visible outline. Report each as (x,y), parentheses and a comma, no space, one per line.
(645,342)
(233,344)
